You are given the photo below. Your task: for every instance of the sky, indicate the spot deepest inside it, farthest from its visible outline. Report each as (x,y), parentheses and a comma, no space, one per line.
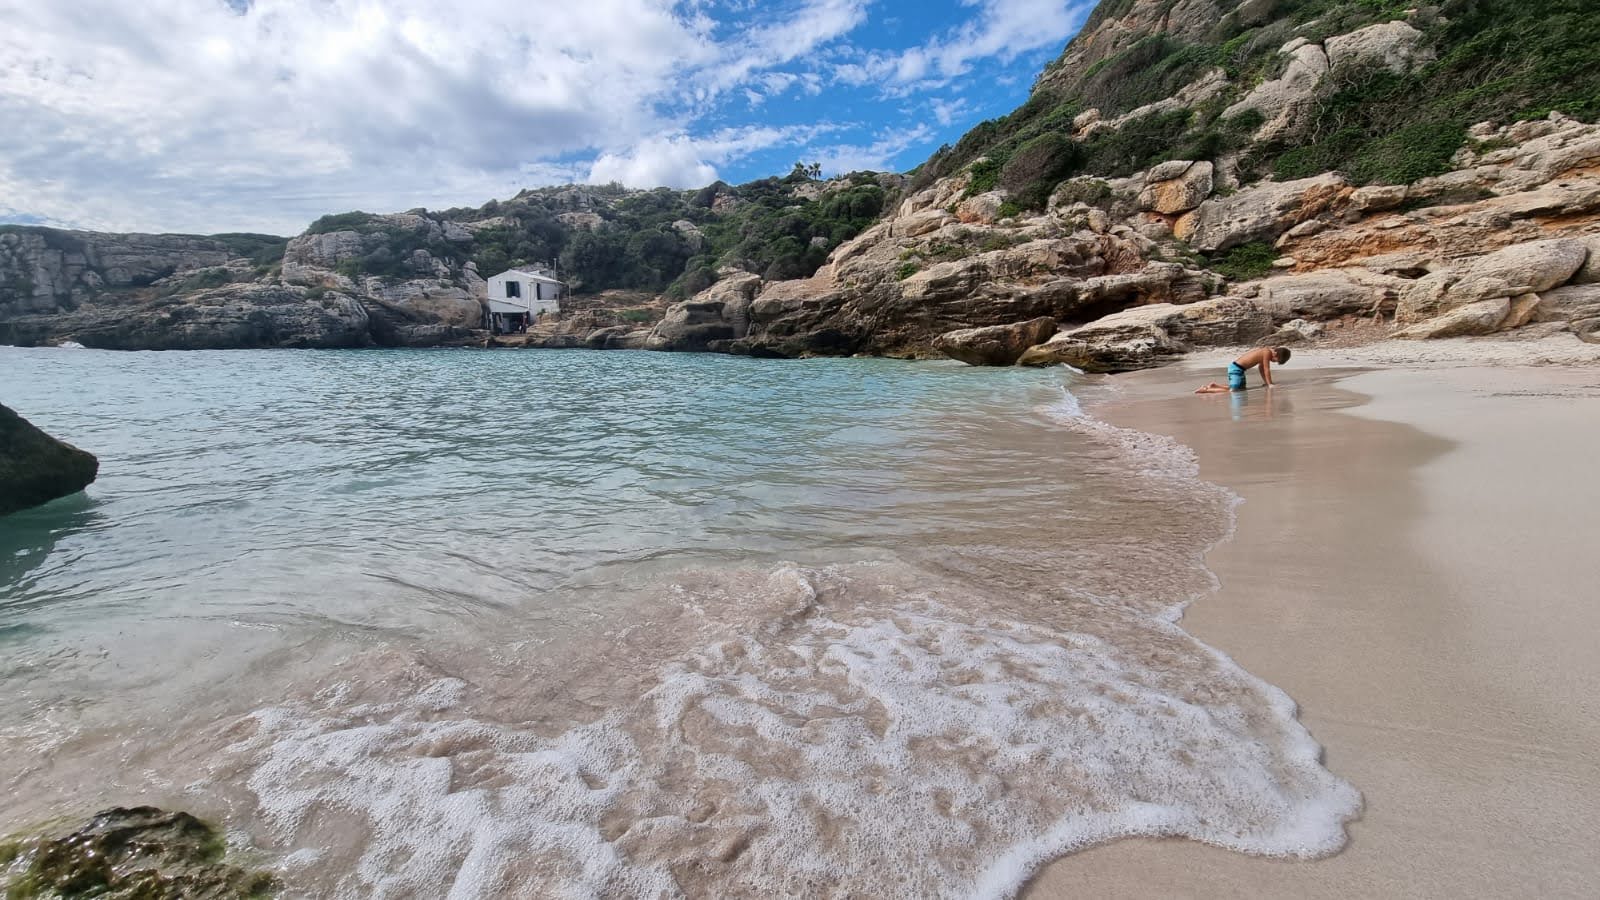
(208,116)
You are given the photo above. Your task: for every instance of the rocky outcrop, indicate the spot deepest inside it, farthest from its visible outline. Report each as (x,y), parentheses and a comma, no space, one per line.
(45,270)
(36,468)
(1325,295)
(1177,187)
(996,345)
(1477,317)
(177,292)
(720,313)
(1147,336)
(1281,100)
(1516,270)
(243,316)
(1264,211)
(1395,46)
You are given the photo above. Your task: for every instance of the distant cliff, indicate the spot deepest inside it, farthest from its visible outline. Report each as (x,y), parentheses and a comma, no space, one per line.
(416,278)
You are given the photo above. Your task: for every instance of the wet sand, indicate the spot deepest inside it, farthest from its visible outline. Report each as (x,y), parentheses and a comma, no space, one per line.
(1415,565)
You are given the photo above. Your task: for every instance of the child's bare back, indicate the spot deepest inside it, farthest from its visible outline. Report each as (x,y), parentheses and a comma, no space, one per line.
(1261,357)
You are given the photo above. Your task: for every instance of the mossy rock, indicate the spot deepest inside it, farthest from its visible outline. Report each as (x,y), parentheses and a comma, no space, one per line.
(139,853)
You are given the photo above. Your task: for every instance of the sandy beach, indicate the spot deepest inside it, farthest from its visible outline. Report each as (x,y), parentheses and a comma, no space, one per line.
(1414,565)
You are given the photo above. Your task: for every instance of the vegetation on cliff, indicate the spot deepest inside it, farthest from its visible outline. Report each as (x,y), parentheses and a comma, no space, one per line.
(608,237)
(1498,60)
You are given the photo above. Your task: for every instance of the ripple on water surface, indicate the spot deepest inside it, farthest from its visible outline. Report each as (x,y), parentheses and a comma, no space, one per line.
(629,624)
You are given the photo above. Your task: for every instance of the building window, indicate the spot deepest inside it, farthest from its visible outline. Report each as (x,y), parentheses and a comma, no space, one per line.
(513,289)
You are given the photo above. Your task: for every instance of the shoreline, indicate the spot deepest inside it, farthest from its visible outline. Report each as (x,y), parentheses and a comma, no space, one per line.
(1407,566)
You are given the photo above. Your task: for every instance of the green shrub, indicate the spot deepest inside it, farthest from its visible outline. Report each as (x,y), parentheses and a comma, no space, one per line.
(350,221)
(1092,191)
(1415,151)
(1246,261)
(1009,210)
(906,270)
(1038,166)
(261,249)
(1137,145)
(985,176)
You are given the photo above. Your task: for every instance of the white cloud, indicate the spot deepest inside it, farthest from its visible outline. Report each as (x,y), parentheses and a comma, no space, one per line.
(220,115)
(682,161)
(662,162)
(1001,29)
(945,111)
(211,115)
(877,156)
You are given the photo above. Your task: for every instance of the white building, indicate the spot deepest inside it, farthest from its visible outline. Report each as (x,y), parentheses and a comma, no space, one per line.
(518,297)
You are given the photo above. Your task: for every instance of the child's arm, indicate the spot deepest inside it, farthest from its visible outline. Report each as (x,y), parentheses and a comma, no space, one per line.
(1266,369)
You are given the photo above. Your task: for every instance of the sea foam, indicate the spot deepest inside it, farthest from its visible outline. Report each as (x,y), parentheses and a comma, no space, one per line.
(877,741)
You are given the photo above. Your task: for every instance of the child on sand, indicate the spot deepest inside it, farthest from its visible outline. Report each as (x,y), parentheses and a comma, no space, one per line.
(1262,356)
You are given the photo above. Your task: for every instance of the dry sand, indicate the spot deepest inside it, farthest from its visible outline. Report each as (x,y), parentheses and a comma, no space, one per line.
(1415,564)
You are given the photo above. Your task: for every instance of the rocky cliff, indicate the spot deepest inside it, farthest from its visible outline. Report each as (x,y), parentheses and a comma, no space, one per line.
(1207,172)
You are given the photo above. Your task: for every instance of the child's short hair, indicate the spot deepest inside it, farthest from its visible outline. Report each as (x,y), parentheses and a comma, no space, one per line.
(1282,353)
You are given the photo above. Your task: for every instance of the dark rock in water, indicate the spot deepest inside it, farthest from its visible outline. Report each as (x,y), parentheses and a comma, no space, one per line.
(36,468)
(143,852)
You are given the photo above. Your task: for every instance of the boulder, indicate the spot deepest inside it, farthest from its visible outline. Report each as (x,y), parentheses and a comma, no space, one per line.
(1280,100)
(1590,272)
(1324,295)
(1480,317)
(1572,303)
(1263,212)
(1521,312)
(1293,331)
(1147,336)
(984,209)
(1532,267)
(1395,46)
(718,313)
(36,468)
(1177,187)
(996,345)
(617,337)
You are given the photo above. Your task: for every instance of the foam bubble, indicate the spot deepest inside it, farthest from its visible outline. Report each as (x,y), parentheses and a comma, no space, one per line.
(878,742)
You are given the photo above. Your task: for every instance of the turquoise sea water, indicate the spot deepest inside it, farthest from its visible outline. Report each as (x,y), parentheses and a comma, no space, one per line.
(539,623)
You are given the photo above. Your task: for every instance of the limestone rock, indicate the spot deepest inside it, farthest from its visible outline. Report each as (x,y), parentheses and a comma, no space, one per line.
(1263,212)
(1146,336)
(1590,273)
(983,209)
(36,468)
(48,270)
(1521,312)
(1572,303)
(1395,46)
(1327,294)
(1480,317)
(1293,331)
(1280,100)
(995,345)
(1177,187)
(1532,267)
(718,313)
